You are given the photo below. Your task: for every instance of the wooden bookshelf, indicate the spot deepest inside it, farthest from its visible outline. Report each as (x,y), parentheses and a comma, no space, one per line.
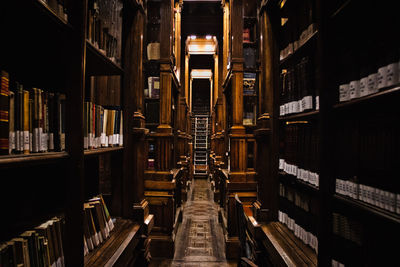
(294,181)
(98,151)
(302,115)
(367,208)
(6,161)
(45,51)
(119,248)
(45,10)
(98,63)
(300,50)
(384,93)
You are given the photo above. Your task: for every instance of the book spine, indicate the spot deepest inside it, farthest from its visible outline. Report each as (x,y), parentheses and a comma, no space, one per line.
(11,114)
(4,113)
(26,139)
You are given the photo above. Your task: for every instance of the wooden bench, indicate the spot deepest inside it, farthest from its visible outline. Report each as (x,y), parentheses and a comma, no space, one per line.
(283,248)
(120,249)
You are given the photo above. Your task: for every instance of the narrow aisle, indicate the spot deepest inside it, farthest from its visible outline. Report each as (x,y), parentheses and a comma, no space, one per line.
(200,240)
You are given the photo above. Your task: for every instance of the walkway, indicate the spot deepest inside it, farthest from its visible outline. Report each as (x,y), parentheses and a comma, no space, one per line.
(199,241)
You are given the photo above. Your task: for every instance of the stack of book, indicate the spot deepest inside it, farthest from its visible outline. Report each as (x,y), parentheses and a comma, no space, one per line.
(40,246)
(32,120)
(98,223)
(299,155)
(103,127)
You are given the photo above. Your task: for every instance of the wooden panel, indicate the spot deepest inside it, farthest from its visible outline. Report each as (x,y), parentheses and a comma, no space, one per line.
(120,245)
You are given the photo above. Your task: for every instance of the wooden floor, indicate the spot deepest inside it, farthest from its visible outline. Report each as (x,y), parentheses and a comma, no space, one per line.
(199,241)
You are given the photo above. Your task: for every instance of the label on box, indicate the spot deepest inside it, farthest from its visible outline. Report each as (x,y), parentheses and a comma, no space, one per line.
(364,86)
(26,140)
(286,105)
(103,139)
(281,163)
(11,137)
(381,77)
(354,89)
(344,94)
(372,84)
(392,74)
(307,102)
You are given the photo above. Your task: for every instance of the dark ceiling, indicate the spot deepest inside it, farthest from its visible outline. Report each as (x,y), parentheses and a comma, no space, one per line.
(202,18)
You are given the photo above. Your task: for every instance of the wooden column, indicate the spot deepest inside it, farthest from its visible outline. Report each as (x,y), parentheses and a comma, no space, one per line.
(73,214)
(159,183)
(266,133)
(135,206)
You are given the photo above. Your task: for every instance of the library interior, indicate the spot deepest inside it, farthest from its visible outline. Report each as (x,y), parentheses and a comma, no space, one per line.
(197,133)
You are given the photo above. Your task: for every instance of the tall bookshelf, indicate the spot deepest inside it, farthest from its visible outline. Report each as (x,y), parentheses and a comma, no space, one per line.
(240,75)
(342,136)
(48,47)
(161,103)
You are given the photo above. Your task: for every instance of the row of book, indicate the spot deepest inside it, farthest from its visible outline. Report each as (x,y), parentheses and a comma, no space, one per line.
(153,87)
(297,89)
(32,120)
(299,151)
(103,127)
(297,212)
(58,7)
(385,76)
(365,153)
(347,228)
(41,246)
(298,42)
(305,236)
(103,18)
(371,195)
(98,223)
(299,199)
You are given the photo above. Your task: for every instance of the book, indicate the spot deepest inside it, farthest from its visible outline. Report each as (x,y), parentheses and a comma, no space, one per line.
(249,55)
(59,137)
(4,113)
(26,136)
(154,87)
(22,251)
(31,237)
(249,83)
(44,231)
(153,51)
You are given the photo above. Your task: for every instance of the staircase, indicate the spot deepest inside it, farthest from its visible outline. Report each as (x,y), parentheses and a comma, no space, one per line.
(201,144)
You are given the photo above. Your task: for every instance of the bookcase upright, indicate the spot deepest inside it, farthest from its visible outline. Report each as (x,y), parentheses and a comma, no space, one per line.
(53,49)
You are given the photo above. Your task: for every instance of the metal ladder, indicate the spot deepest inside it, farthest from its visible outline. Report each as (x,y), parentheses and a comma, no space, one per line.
(201,132)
